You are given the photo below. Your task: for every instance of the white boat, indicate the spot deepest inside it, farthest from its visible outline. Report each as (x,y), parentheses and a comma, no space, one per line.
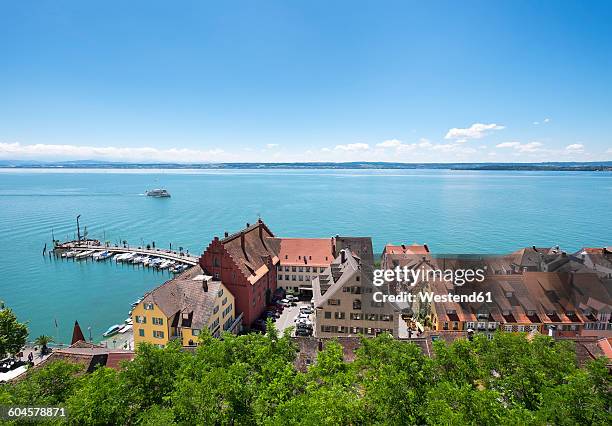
(84,254)
(129,321)
(69,254)
(157,193)
(146,261)
(125,328)
(137,259)
(156,262)
(101,255)
(113,329)
(128,257)
(166,264)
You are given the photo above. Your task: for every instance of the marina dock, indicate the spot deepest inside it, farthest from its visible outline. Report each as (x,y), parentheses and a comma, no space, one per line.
(92,249)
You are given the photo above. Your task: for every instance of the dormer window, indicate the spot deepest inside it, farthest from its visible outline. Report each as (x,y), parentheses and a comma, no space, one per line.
(508,294)
(451,311)
(530,313)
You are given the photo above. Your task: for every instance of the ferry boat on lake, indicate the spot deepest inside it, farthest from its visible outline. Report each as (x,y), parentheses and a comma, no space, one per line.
(157,193)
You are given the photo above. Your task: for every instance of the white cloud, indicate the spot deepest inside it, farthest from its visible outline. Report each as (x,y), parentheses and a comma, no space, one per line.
(575,147)
(475,131)
(271,145)
(391,143)
(546,120)
(508,145)
(353,147)
(109,153)
(522,147)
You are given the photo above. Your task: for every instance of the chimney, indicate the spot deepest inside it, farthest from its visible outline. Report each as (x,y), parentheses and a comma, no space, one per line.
(216,238)
(403,246)
(226,234)
(551,331)
(534,248)
(248,224)
(205,285)
(342,256)
(426,247)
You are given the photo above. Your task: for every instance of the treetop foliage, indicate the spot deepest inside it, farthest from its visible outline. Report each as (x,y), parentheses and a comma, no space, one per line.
(251,380)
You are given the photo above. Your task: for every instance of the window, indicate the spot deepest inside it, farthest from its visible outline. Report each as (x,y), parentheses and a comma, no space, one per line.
(293,268)
(141,332)
(286,269)
(286,277)
(158,321)
(301,277)
(220,293)
(195,332)
(215,309)
(333,302)
(357,278)
(148,306)
(339,315)
(158,334)
(327,315)
(308,269)
(216,275)
(384,317)
(372,317)
(292,277)
(300,269)
(357,304)
(224,301)
(356,316)
(215,261)
(141,319)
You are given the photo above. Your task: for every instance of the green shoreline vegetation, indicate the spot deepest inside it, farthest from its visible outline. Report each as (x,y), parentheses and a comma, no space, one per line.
(251,380)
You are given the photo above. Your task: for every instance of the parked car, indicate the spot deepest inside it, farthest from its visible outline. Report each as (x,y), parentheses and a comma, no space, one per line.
(285,302)
(302,316)
(306,310)
(303,332)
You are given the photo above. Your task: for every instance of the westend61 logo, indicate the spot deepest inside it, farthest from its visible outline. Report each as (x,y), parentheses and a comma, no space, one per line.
(403,276)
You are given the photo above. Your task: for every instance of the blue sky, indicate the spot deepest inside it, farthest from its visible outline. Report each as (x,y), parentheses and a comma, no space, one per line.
(306,81)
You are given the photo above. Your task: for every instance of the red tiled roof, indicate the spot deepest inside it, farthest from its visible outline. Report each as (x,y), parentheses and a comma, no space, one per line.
(304,251)
(404,249)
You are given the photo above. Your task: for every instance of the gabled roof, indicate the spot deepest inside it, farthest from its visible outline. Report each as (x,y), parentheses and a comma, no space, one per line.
(359,246)
(186,294)
(249,249)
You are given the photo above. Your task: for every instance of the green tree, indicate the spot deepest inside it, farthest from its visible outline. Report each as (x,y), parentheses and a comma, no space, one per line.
(43,341)
(100,399)
(13,334)
(48,385)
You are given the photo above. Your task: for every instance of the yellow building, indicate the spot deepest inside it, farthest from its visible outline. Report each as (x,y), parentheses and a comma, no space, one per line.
(182,308)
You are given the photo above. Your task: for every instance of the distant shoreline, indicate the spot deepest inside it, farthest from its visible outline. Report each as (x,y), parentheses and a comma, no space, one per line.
(604,166)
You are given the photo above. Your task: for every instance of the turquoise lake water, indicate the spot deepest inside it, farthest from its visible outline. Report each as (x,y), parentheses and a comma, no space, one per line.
(452,211)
